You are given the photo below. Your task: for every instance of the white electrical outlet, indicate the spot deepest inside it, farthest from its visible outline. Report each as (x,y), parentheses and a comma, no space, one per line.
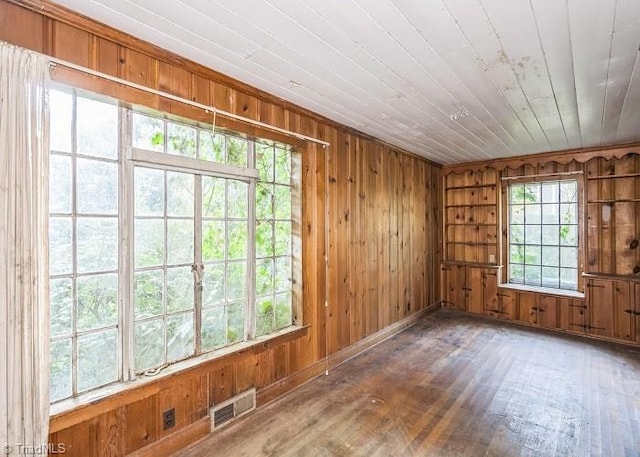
(492,258)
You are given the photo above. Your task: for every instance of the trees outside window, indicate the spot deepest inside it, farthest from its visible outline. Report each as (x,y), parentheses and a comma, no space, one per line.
(163,233)
(543,233)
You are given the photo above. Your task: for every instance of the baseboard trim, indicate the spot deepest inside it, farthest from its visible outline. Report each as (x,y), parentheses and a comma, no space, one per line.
(274,391)
(176,441)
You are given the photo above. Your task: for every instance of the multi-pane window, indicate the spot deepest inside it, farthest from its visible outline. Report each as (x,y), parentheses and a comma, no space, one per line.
(273,238)
(543,234)
(163,256)
(83,238)
(156,242)
(224,217)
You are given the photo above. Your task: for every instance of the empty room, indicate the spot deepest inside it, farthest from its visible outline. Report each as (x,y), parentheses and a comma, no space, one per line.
(320,228)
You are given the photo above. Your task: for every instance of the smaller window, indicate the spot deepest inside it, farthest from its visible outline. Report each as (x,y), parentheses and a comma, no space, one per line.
(543,234)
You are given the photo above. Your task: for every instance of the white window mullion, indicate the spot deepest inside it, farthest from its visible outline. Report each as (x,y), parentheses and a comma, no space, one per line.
(74,241)
(165,261)
(250,311)
(251,263)
(190,165)
(198,265)
(126,228)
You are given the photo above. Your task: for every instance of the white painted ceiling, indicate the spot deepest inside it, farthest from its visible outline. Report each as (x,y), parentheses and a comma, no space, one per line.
(450,80)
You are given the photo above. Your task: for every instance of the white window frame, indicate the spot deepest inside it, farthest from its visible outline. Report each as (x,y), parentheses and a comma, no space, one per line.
(508,182)
(130,157)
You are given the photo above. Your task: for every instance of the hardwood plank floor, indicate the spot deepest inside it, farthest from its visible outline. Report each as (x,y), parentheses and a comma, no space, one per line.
(455,385)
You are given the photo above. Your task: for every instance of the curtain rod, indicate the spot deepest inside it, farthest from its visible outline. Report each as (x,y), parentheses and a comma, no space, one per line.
(55,61)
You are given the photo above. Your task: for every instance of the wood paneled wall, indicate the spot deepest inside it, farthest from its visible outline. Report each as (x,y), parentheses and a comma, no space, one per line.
(473,201)
(380,208)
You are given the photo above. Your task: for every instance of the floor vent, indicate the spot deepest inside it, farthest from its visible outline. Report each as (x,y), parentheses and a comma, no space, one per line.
(230,410)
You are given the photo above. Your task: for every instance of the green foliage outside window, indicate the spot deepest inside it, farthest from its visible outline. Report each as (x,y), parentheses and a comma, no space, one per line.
(543,234)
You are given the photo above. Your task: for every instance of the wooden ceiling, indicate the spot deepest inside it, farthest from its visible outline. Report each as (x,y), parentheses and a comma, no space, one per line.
(450,80)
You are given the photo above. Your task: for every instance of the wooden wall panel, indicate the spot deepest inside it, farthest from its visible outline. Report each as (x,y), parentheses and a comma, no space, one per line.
(381,208)
(370,258)
(221,385)
(22,27)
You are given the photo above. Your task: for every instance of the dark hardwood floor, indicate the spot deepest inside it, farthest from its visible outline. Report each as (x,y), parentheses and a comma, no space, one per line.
(455,385)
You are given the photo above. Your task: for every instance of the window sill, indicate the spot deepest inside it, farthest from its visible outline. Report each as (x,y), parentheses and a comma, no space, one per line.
(543,290)
(101,394)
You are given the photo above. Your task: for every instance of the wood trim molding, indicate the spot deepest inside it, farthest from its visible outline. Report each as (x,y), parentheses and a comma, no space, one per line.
(170,444)
(277,389)
(562,157)
(611,277)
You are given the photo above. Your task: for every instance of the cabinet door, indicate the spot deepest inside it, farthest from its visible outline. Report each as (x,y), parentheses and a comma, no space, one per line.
(527,308)
(600,302)
(489,291)
(453,286)
(475,290)
(623,310)
(547,311)
(573,315)
(611,309)
(506,304)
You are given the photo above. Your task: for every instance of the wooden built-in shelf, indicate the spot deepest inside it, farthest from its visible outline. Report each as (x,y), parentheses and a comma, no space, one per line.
(476,186)
(471,224)
(459,263)
(625,175)
(470,206)
(619,200)
(611,276)
(471,243)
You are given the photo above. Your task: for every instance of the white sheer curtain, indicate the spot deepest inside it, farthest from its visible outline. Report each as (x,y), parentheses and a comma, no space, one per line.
(24,259)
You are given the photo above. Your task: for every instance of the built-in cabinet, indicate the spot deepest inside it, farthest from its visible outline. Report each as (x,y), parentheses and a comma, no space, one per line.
(609,310)
(614,310)
(476,289)
(469,288)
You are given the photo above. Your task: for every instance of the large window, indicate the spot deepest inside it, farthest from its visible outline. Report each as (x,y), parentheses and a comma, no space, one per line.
(543,233)
(167,240)
(83,237)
